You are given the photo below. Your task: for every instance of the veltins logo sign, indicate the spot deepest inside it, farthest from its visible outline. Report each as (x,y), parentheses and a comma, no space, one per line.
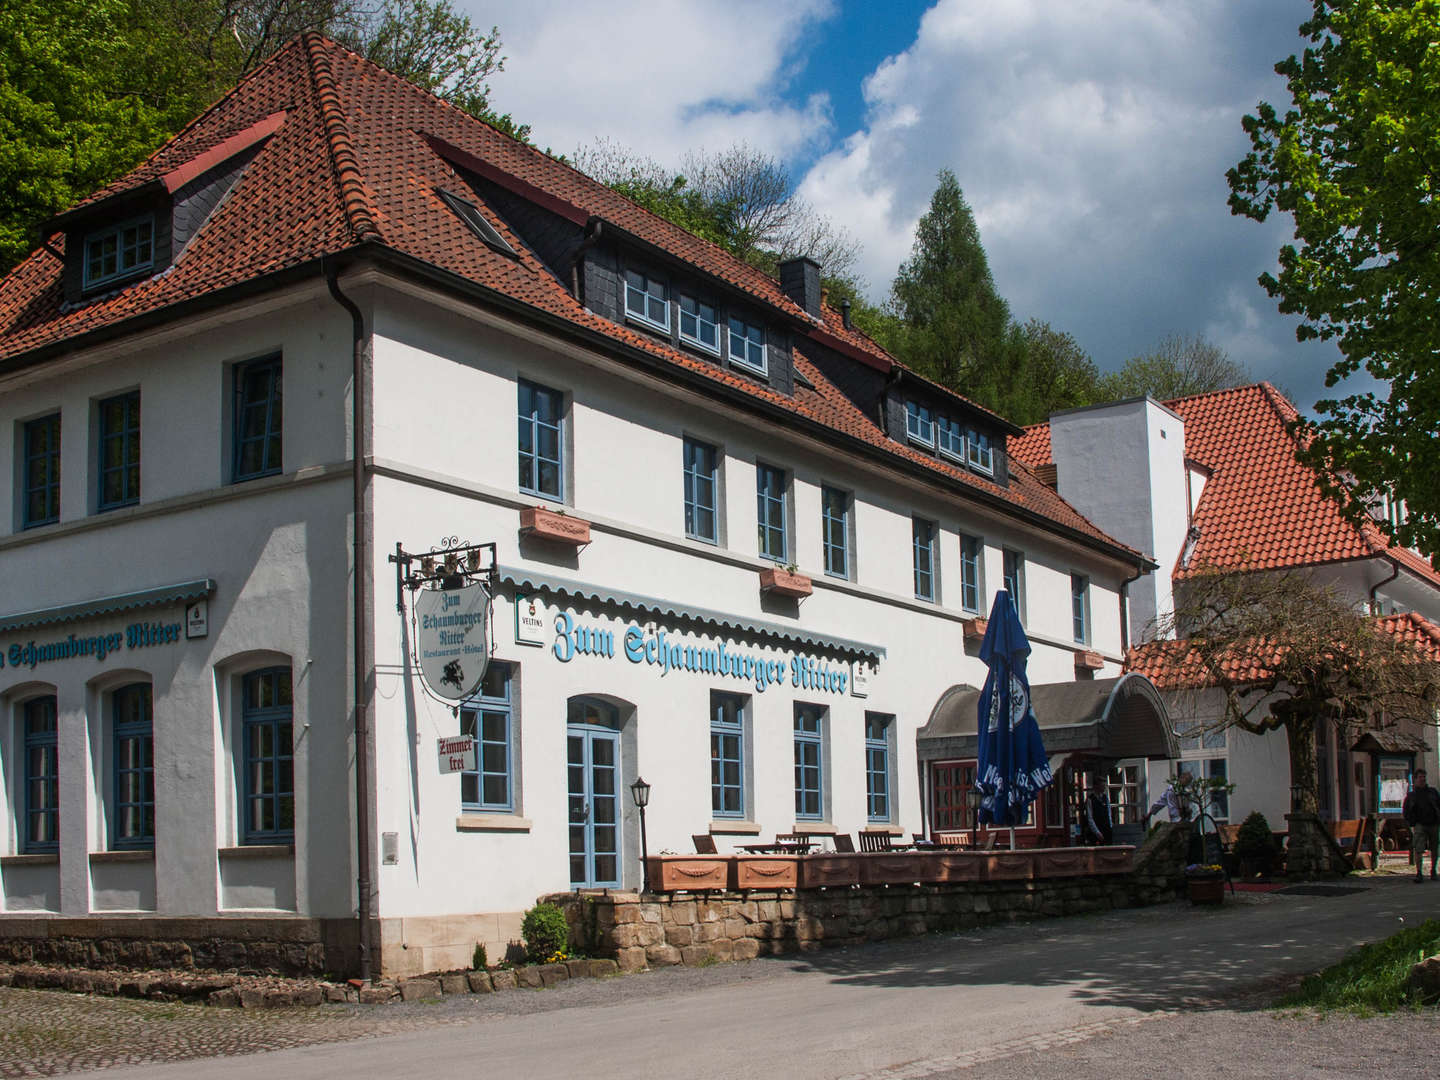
(454,640)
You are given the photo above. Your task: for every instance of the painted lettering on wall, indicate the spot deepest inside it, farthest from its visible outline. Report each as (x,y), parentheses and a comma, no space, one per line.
(672,653)
(135,636)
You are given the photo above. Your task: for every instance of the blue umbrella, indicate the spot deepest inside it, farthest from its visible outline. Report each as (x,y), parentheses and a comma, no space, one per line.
(1013,768)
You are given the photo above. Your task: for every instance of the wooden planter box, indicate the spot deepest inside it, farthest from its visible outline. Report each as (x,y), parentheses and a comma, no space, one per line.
(1118,859)
(890,868)
(1064,862)
(1007,866)
(1206,890)
(1085,660)
(682,873)
(782,582)
(556,528)
(974,629)
(766,872)
(940,867)
(829,871)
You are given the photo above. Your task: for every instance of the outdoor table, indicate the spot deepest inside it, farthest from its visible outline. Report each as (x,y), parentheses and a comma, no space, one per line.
(776,849)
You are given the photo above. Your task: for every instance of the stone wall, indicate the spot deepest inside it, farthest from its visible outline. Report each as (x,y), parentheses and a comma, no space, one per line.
(680,928)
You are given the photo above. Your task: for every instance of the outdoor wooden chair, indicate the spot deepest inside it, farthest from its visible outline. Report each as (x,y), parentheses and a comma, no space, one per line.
(950,839)
(793,839)
(843,844)
(1350,837)
(875,841)
(704,844)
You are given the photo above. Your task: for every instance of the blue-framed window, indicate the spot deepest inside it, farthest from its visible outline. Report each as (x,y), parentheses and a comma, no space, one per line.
(835,530)
(878,729)
(771,513)
(487,718)
(1014,574)
(981,458)
(919,423)
(699,325)
(42,777)
(541,446)
(268,766)
(809,762)
(701,490)
(258,419)
(923,542)
(727,755)
(747,345)
(119,474)
(119,251)
(950,438)
(647,300)
(1080,607)
(970,549)
(134,742)
(41,466)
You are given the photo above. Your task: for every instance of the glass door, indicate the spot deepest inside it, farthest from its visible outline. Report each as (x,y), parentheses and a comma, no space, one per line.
(593,763)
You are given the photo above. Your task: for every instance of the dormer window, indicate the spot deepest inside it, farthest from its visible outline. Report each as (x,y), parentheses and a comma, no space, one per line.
(950,439)
(981,457)
(919,423)
(647,300)
(120,251)
(747,345)
(698,325)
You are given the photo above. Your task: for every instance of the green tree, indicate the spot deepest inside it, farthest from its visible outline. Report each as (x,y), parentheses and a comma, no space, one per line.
(1355,162)
(1048,371)
(953,322)
(1177,367)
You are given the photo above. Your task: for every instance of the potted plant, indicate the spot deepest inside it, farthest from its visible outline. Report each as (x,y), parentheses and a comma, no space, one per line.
(1205,883)
(1255,846)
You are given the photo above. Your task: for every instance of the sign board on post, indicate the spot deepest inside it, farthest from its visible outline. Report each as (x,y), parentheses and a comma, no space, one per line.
(454,639)
(457,754)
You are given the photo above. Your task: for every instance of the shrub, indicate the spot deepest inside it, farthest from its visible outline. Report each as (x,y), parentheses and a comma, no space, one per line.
(1254,841)
(479,961)
(546,933)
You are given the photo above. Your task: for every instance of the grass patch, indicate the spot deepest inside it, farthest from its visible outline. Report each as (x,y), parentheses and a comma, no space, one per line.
(1372,978)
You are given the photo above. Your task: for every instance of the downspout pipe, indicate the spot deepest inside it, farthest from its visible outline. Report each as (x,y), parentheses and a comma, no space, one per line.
(1394,573)
(1125,608)
(361,657)
(593,231)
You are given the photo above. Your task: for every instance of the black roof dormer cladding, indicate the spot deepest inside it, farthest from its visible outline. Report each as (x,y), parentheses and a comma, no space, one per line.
(800,281)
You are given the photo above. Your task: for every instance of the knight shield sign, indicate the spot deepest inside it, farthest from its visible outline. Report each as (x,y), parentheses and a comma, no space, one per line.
(454,641)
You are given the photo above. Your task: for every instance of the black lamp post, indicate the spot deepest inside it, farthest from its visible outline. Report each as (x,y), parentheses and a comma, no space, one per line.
(973,796)
(640,792)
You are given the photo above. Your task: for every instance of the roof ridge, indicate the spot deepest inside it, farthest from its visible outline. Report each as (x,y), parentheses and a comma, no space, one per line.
(360,212)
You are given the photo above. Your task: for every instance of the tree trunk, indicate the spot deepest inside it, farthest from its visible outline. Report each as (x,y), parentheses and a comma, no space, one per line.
(1300,731)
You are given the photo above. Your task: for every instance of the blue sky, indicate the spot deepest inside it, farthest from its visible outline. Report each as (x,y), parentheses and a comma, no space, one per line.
(1091,139)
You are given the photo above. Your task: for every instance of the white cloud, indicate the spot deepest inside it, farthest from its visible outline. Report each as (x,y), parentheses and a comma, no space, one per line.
(659,76)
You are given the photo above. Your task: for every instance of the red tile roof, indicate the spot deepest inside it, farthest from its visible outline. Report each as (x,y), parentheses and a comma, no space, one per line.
(354,156)
(1175,665)
(1261,509)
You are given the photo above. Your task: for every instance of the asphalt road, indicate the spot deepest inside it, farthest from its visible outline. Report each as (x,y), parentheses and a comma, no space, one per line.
(933,1007)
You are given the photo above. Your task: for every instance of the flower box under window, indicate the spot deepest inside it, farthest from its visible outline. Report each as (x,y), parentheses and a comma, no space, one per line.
(1087,660)
(539,523)
(783,582)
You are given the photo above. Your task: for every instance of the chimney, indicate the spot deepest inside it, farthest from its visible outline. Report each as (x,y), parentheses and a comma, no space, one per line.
(845,314)
(800,281)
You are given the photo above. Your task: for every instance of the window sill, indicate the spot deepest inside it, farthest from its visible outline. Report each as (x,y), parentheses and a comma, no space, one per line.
(737,827)
(257,851)
(886,830)
(49,858)
(750,369)
(814,828)
(491,823)
(126,855)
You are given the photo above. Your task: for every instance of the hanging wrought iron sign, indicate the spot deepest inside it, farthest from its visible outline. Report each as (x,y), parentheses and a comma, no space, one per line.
(452,589)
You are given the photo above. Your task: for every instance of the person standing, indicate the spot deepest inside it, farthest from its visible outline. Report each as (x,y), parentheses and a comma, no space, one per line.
(1098,828)
(1171,801)
(1422,813)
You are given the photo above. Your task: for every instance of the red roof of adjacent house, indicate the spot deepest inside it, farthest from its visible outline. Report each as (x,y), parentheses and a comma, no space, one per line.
(353,156)
(1175,665)
(1261,509)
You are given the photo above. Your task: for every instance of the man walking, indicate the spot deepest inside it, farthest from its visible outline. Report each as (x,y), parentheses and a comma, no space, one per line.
(1422,814)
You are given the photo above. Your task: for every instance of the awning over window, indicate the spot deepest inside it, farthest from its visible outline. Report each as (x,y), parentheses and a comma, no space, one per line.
(182,593)
(528,579)
(1115,718)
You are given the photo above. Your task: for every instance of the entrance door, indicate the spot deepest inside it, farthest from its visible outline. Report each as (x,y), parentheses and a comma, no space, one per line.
(593,761)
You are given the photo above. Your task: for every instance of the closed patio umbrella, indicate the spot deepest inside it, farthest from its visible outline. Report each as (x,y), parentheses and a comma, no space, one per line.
(1013,767)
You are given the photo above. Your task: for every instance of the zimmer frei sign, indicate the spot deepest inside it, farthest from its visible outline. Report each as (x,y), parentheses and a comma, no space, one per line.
(669,652)
(453,639)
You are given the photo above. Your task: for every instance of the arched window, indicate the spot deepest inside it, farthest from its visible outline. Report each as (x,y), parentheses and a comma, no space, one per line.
(42,777)
(268,766)
(133,731)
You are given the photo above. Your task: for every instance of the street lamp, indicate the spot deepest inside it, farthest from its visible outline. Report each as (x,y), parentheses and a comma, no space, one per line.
(1297,793)
(640,792)
(973,797)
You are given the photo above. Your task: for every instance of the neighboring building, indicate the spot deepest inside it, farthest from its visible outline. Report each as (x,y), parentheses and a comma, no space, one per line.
(1212,481)
(178,625)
